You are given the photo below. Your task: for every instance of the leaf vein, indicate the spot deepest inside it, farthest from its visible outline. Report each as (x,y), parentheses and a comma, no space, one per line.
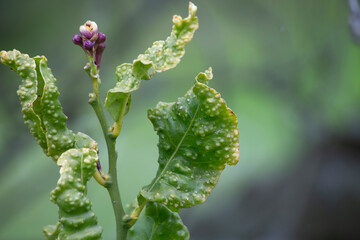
(176,150)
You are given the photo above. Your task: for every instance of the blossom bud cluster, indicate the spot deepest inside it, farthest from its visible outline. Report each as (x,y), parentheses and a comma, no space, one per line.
(92,41)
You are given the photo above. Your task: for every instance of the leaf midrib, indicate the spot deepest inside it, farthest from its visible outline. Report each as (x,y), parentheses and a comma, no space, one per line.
(176,149)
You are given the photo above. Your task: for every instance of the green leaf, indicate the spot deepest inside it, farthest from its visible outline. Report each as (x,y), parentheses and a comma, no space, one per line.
(84,141)
(117,97)
(76,219)
(46,120)
(198,136)
(163,55)
(59,138)
(25,66)
(40,105)
(51,232)
(158,223)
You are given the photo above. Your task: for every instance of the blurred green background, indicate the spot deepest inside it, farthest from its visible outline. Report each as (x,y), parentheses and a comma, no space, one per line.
(289,70)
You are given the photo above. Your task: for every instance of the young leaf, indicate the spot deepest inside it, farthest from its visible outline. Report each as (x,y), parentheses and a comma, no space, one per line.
(51,232)
(198,135)
(28,93)
(158,223)
(59,138)
(163,55)
(40,105)
(84,141)
(76,220)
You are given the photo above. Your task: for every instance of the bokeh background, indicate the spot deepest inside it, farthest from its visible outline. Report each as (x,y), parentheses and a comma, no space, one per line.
(289,69)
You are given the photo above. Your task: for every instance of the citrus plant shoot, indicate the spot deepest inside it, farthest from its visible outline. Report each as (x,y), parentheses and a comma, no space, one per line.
(198,136)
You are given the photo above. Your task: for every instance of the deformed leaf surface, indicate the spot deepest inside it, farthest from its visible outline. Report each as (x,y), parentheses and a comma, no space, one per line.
(40,105)
(76,219)
(25,66)
(163,55)
(198,135)
(59,137)
(158,223)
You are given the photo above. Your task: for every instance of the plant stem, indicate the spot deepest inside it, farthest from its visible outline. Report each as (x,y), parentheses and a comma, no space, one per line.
(112,186)
(113,189)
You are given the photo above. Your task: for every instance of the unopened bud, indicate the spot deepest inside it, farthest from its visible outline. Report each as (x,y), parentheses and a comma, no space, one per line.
(88,45)
(77,40)
(101,37)
(89,30)
(99,51)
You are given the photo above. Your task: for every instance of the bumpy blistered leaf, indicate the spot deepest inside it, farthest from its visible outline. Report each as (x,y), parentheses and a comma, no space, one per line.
(158,223)
(51,232)
(84,141)
(163,55)
(40,105)
(59,138)
(198,135)
(76,219)
(25,66)
(117,97)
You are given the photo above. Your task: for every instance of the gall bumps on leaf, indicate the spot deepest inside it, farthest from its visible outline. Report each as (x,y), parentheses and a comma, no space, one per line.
(198,137)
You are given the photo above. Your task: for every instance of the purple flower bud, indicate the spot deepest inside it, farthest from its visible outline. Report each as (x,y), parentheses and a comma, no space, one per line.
(77,40)
(89,30)
(101,37)
(88,45)
(99,51)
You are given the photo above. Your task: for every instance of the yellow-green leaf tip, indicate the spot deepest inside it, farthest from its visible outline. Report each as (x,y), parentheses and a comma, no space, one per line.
(205,76)
(192,9)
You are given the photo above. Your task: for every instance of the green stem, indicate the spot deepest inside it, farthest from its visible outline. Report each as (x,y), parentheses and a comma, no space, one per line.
(113,189)
(112,186)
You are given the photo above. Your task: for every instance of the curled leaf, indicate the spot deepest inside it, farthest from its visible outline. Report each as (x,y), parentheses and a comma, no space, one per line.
(161,56)
(84,141)
(40,104)
(164,55)
(59,137)
(28,92)
(198,136)
(76,219)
